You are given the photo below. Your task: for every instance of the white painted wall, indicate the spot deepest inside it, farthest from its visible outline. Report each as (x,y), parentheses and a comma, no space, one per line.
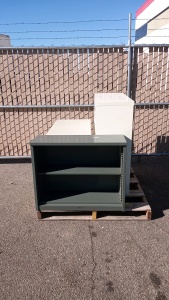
(160,36)
(150,12)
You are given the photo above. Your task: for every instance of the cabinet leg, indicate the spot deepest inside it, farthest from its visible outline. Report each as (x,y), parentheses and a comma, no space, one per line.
(39,215)
(94,215)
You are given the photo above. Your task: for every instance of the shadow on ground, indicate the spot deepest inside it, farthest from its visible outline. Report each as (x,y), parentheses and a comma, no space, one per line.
(153,175)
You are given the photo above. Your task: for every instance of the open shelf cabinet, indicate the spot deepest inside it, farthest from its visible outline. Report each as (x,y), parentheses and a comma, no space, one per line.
(79,173)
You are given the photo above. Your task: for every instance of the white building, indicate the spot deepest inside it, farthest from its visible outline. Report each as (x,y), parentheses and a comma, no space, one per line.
(152,23)
(5,40)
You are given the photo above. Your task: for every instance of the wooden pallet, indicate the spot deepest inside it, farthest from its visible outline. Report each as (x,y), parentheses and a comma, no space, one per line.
(136,208)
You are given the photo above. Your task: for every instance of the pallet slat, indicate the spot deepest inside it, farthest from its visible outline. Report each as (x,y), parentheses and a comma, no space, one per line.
(133,180)
(135,193)
(89,218)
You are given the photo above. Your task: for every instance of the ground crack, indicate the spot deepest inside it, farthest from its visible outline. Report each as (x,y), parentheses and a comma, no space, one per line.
(93,260)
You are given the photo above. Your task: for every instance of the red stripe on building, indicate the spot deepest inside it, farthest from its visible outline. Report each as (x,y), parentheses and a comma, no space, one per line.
(143,7)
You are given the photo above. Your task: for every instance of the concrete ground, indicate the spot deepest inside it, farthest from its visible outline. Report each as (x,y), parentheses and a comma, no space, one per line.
(76,260)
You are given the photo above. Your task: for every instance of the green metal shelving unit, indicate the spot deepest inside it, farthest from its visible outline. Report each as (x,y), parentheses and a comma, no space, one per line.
(79,173)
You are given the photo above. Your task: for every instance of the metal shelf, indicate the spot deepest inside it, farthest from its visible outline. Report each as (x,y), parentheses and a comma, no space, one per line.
(81,201)
(84,171)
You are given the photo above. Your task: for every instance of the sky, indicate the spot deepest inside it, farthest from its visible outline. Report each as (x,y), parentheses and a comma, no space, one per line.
(59,15)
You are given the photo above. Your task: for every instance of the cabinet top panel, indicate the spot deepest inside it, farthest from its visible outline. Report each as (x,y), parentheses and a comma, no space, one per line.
(46,140)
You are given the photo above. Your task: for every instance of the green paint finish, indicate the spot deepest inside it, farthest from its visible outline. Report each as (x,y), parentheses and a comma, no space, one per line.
(79,172)
(118,140)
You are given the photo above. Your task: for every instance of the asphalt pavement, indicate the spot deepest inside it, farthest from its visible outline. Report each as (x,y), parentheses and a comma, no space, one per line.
(83,260)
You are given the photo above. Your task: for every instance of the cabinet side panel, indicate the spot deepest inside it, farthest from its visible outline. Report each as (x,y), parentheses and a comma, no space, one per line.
(122,181)
(34,177)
